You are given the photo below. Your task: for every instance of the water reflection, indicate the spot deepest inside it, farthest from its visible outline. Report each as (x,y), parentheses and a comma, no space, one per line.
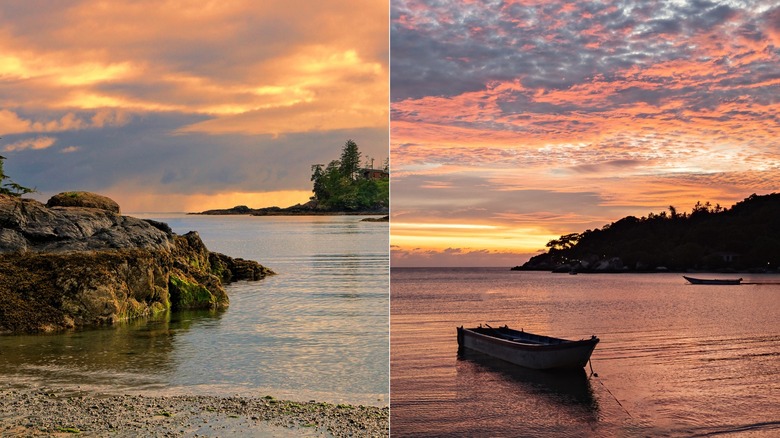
(317,330)
(129,355)
(675,360)
(561,387)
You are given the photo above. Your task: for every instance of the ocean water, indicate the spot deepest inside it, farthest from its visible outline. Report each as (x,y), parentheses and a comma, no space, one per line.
(674,359)
(316,331)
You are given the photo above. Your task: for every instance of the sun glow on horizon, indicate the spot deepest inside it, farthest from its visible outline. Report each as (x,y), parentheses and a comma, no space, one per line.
(429,236)
(409,225)
(195,203)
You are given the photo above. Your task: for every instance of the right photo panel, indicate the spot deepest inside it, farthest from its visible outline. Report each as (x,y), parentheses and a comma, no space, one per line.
(585,218)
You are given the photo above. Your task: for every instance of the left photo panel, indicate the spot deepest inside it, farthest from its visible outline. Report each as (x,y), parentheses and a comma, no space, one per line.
(194,204)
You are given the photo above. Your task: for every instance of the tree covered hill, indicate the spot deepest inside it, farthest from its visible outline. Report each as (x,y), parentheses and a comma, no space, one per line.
(743,237)
(341,187)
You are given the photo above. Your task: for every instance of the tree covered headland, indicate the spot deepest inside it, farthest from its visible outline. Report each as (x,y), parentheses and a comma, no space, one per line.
(345,185)
(745,237)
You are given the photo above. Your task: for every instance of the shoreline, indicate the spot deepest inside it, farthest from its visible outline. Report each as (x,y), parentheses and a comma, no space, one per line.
(308,209)
(308,213)
(52,411)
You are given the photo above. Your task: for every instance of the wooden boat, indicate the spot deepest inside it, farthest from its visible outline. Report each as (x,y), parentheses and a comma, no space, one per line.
(693,280)
(527,349)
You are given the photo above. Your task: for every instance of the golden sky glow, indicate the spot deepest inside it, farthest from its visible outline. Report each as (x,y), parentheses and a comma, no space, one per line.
(538,119)
(176,104)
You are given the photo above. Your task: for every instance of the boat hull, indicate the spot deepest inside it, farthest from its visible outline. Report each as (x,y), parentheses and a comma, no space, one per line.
(530,351)
(693,280)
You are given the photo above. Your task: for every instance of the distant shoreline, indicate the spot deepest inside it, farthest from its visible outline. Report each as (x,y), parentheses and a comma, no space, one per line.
(330,213)
(309,209)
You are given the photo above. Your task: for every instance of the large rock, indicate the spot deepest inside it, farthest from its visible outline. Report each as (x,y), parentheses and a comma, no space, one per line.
(83,199)
(28,225)
(69,267)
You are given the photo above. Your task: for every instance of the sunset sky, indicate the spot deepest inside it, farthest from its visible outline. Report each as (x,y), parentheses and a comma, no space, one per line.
(515,122)
(185,105)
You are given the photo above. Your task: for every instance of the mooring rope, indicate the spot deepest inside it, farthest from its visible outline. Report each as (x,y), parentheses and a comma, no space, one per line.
(593,374)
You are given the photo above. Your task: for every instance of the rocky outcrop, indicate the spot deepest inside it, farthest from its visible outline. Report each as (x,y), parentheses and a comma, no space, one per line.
(27,225)
(80,265)
(591,264)
(83,199)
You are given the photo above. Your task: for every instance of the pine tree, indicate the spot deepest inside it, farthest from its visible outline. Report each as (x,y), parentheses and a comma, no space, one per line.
(8,187)
(318,176)
(350,160)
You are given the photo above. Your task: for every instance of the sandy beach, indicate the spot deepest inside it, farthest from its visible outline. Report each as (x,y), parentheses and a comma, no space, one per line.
(44,411)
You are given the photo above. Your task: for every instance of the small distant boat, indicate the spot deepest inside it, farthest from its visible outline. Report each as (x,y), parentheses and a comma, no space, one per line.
(693,280)
(527,349)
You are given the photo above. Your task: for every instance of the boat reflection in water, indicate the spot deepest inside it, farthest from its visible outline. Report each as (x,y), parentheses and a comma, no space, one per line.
(561,386)
(498,398)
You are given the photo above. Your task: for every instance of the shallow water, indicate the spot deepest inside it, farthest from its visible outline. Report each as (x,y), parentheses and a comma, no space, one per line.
(316,331)
(674,359)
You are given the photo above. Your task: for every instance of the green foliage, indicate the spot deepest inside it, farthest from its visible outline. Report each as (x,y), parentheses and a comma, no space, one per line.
(8,187)
(350,160)
(341,187)
(317,177)
(710,237)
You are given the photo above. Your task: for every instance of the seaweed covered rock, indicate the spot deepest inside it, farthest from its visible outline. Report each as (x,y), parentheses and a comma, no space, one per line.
(69,267)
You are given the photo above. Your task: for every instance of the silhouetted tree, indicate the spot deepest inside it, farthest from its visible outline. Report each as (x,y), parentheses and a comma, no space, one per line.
(8,187)
(317,176)
(742,237)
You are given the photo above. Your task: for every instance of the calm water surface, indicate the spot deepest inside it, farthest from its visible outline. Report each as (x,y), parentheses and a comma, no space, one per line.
(674,359)
(317,330)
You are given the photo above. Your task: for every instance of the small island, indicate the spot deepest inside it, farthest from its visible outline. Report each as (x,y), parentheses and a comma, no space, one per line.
(342,187)
(743,238)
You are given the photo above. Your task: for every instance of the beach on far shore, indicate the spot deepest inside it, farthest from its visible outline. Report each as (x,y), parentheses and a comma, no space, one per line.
(51,411)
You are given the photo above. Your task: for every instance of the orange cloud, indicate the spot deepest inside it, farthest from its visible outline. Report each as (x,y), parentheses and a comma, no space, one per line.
(125,91)
(11,123)
(174,56)
(34,143)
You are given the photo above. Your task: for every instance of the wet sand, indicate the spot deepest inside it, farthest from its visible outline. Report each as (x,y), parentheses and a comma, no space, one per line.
(45,411)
